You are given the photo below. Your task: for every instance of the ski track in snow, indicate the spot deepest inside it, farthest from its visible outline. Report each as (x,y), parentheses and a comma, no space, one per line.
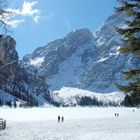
(80,124)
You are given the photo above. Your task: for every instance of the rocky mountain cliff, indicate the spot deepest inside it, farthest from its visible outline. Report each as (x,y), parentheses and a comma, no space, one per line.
(78,62)
(83,59)
(16,84)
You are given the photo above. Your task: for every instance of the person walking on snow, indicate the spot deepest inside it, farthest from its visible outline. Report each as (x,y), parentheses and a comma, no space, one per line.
(62,119)
(58,118)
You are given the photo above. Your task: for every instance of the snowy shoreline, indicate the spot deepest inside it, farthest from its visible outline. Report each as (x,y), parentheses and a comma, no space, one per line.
(51,113)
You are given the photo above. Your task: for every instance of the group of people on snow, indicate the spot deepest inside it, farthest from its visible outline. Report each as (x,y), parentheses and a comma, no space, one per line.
(116,114)
(60,119)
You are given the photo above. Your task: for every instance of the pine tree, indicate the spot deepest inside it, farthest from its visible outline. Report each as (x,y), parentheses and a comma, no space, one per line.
(130,37)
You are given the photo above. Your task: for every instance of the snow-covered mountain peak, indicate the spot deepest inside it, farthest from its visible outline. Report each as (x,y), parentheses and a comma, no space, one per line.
(80,33)
(79,37)
(83,59)
(106,32)
(74,96)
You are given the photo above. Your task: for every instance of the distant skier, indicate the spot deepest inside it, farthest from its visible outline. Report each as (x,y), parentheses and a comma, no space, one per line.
(62,119)
(58,118)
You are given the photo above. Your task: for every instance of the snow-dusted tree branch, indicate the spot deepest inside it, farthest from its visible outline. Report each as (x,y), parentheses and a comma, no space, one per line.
(3,15)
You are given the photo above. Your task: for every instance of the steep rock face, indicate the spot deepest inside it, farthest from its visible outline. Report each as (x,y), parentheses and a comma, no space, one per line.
(62,61)
(107,67)
(8,59)
(15,81)
(48,58)
(84,59)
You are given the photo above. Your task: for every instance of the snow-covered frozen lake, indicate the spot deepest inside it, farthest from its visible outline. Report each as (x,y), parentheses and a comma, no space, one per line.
(80,124)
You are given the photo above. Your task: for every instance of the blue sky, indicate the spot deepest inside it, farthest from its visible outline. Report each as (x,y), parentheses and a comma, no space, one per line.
(34,23)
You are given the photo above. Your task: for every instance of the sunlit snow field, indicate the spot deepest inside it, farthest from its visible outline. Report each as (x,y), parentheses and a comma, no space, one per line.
(79,124)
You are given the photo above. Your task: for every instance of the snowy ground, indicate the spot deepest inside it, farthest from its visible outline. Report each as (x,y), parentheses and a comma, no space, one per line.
(80,124)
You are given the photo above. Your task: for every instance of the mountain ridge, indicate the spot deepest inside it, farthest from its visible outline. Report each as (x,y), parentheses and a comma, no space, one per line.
(81,60)
(87,54)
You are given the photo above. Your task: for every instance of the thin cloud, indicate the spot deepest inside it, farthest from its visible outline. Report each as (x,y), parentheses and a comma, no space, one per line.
(14,23)
(50,15)
(68,24)
(38,18)
(6,18)
(26,10)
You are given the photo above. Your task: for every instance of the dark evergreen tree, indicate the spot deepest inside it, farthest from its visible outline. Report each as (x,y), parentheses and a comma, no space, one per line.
(130,36)
(0,101)
(127,101)
(14,104)
(9,103)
